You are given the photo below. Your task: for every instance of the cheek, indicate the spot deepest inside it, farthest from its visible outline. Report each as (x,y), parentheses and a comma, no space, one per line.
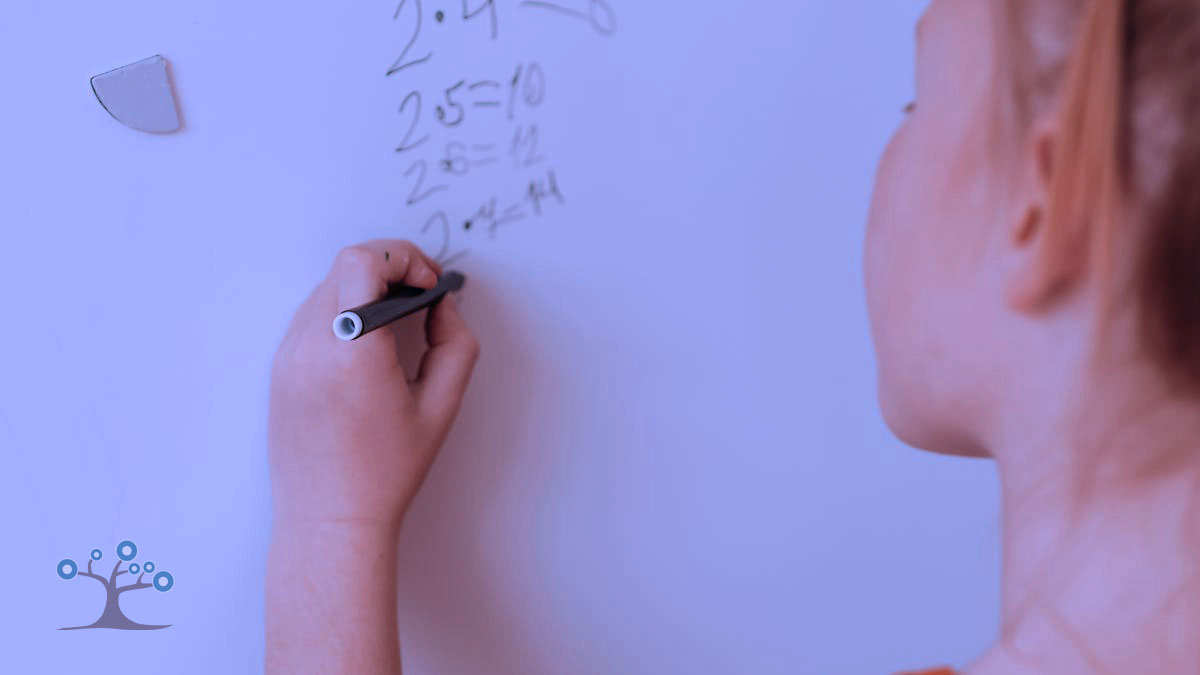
(901,262)
(893,237)
(922,283)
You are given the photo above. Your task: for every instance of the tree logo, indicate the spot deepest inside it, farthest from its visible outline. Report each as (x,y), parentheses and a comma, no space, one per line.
(113,617)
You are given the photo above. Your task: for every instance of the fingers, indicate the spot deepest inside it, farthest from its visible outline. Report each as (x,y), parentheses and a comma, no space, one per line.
(446,368)
(362,272)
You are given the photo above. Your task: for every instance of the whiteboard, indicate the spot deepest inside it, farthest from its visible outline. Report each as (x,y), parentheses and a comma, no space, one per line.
(670,460)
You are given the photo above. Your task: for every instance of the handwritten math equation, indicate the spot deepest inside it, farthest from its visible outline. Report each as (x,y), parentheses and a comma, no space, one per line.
(447,130)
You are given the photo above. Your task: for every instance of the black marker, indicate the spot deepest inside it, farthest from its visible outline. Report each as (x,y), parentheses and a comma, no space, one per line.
(400,302)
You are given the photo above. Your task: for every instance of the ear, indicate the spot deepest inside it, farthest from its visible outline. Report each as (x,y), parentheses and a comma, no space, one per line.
(1041,268)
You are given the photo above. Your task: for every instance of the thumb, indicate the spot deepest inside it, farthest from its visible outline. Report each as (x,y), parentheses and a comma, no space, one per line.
(446,368)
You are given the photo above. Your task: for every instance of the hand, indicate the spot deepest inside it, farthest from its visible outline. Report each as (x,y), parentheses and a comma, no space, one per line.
(351,439)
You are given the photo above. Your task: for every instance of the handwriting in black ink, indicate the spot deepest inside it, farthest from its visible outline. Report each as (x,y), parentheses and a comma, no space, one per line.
(485,84)
(539,191)
(487,5)
(399,64)
(486,217)
(599,13)
(534,89)
(458,161)
(524,148)
(451,104)
(416,196)
(443,255)
(530,82)
(405,146)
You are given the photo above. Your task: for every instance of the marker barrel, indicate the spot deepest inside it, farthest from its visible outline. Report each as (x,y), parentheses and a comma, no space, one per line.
(401,301)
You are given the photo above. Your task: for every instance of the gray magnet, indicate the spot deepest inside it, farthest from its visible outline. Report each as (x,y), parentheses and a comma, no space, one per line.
(139,96)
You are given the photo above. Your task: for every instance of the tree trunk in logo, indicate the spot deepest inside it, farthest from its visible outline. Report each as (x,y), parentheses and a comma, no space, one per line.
(113,617)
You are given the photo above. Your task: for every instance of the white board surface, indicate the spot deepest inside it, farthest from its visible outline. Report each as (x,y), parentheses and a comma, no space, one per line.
(670,460)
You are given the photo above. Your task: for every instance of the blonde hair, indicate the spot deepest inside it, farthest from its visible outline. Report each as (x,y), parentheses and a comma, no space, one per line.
(1126,161)
(1127,93)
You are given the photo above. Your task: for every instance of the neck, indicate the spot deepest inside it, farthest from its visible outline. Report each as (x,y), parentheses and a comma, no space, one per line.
(1101,537)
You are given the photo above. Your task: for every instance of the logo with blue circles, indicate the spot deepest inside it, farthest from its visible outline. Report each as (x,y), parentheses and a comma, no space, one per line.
(115,587)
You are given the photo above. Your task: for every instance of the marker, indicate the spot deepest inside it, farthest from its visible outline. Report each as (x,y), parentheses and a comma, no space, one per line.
(401,301)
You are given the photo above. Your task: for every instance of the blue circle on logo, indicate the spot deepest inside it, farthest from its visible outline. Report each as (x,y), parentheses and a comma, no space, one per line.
(67,568)
(133,568)
(127,550)
(163,581)
(148,567)
(97,554)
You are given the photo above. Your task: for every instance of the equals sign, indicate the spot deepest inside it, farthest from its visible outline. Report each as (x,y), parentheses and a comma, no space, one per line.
(487,160)
(483,84)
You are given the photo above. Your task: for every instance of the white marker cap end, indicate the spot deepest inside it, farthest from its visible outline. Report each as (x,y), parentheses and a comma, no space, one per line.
(347,326)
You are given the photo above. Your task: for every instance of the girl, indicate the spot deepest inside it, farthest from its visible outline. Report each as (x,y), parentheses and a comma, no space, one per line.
(1031,274)
(1033,287)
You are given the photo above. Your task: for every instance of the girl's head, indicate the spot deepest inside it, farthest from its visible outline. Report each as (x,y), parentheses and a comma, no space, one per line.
(1034,236)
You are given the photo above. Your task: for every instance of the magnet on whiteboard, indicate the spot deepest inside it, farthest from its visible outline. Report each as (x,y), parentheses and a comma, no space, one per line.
(139,96)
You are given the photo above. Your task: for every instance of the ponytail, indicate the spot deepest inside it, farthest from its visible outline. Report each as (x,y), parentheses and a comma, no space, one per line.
(1088,181)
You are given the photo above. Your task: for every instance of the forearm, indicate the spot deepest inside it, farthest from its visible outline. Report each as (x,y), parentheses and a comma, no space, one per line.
(350,439)
(331,599)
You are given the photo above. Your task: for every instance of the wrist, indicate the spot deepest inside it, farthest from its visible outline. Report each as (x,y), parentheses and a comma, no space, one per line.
(317,624)
(316,526)
(336,509)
